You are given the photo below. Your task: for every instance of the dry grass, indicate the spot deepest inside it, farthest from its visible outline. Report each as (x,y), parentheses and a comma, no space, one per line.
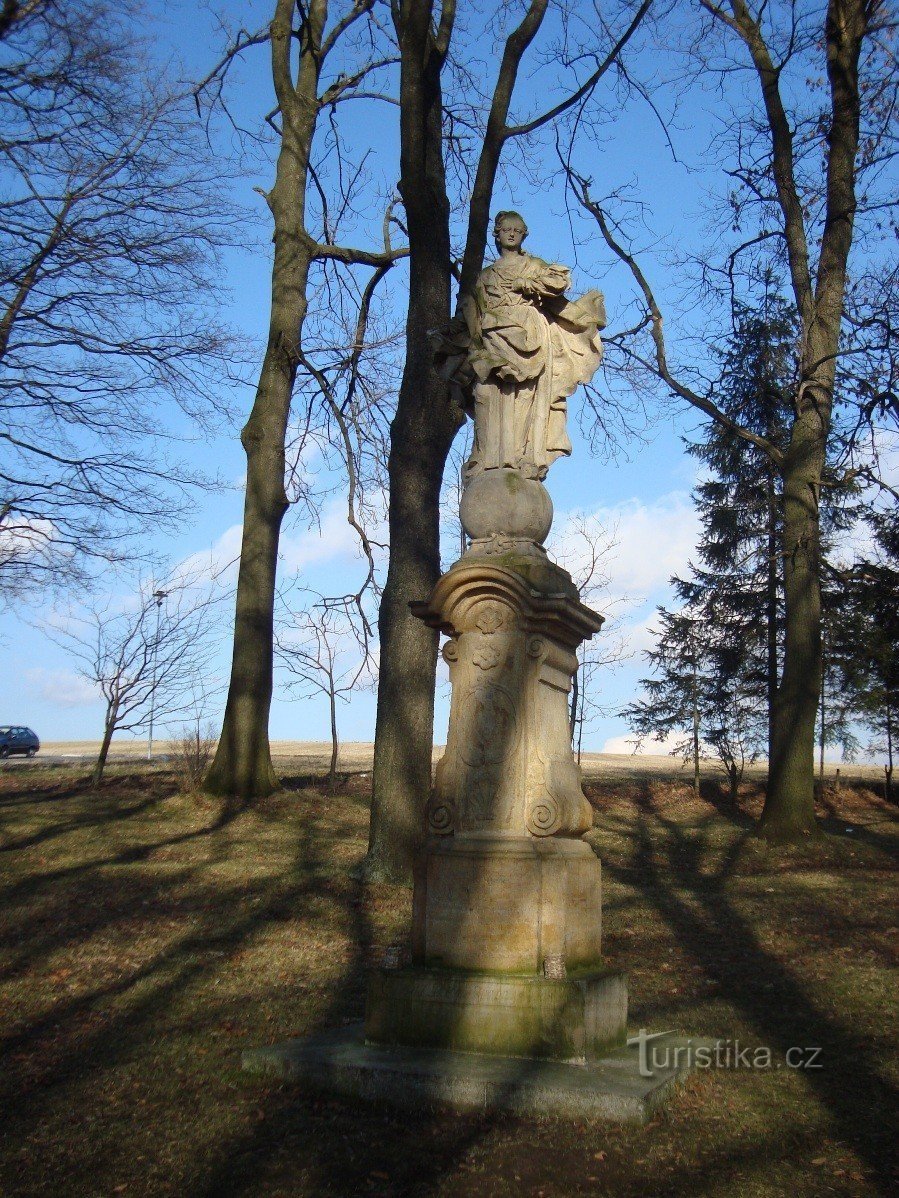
(145,938)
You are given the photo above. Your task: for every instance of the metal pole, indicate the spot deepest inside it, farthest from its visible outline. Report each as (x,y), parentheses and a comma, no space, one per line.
(158,596)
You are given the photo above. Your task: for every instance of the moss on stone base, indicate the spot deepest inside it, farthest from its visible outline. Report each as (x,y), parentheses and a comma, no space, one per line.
(572,1019)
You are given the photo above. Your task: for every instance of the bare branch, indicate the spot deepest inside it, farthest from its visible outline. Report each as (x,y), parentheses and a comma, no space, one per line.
(581,190)
(359,9)
(242,41)
(589,84)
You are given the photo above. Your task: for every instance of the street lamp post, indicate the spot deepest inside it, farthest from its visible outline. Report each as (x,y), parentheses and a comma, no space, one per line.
(158,596)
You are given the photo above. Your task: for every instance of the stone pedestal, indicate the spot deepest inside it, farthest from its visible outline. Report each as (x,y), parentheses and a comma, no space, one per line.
(506,939)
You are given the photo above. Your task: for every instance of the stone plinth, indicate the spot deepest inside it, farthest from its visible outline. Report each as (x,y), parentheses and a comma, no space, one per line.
(575,1019)
(616,1087)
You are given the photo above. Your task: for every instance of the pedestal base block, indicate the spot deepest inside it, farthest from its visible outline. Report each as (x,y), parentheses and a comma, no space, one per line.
(574,1019)
(507,903)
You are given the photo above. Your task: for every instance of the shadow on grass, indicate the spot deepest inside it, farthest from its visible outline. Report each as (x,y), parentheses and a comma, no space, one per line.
(287,1141)
(61,1055)
(779,1003)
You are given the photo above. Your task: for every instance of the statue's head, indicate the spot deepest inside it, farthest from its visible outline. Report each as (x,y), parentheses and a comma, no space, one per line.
(509,230)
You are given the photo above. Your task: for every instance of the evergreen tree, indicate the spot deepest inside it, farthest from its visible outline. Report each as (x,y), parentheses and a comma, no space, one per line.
(733,598)
(674,700)
(717,659)
(738,583)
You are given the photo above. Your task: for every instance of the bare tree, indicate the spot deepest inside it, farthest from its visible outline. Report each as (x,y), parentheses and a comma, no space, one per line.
(301,41)
(111,218)
(585,547)
(149,657)
(326,653)
(795,198)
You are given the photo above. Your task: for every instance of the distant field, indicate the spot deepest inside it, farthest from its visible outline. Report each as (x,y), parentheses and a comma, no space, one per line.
(356,756)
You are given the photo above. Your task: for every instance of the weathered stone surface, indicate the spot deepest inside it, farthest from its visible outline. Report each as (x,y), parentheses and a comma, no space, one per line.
(517,349)
(506,1002)
(339,1062)
(506,939)
(503,503)
(507,903)
(574,1019)
(508,765)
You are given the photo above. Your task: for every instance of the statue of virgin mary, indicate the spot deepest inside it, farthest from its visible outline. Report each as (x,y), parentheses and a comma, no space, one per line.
(517,349)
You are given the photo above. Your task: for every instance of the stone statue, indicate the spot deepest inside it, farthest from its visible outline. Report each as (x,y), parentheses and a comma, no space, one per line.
(506,927)
(517,349)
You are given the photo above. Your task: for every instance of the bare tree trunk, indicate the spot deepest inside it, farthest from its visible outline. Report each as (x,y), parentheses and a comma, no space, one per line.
(772,590)
(332,772)
(108,730)
(734,777)
(888,768)
(242,764)
(575,690)
(789,811)
(695,749)
(422,432)
(823,708)
(580,726)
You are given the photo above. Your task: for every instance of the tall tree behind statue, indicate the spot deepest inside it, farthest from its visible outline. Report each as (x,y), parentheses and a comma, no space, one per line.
(242,763)
(718,661)
(794,197)
(428,415)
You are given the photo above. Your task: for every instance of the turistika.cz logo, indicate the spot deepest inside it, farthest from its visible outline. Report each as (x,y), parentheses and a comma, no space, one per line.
(663,1051)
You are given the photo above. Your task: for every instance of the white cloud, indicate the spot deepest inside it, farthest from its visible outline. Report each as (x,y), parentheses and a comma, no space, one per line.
(24,539)
(652,542)
(61,687)
(332,538)
(218,561)
(639,637)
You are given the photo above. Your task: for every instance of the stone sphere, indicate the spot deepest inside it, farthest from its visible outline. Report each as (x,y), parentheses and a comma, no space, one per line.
(505,503)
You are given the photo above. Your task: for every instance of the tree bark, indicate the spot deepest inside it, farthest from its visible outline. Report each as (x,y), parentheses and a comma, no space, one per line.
(242,765)
(421,434)
(823,708)
(789,811)
(695,738)
(332,700)
(772,591)
(108,730)
(888,768)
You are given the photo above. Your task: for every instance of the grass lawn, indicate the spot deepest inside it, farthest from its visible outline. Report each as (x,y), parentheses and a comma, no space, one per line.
(147,937)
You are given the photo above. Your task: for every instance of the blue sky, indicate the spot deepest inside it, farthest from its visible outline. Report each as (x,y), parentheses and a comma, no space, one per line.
(640,493)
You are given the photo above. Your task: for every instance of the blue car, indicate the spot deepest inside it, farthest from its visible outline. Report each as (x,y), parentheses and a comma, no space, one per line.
(16,739)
